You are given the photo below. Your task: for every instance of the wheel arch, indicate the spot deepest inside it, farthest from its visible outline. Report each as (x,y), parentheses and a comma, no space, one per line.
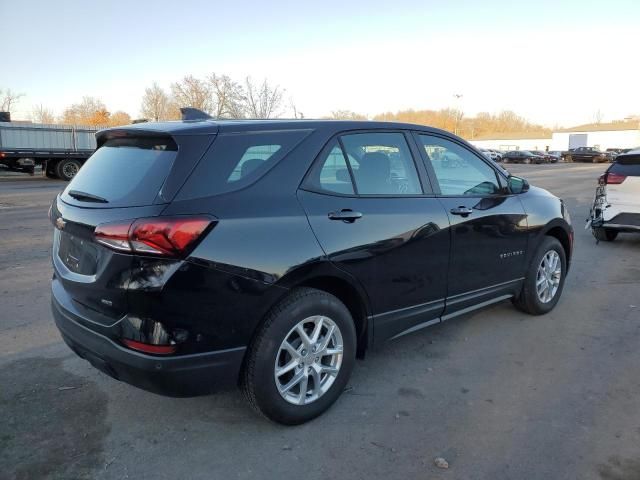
(325,276)
(352,299)
(564,236)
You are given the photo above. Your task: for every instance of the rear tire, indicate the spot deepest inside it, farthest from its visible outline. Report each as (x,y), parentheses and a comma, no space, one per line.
(266,389)
(547,269)
(67,169)
(604,234)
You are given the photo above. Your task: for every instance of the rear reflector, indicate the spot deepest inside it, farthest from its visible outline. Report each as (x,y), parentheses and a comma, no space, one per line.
(170,236)
(146,348)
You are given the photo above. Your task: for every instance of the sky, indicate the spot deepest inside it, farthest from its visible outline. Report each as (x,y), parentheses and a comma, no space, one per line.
(556,63)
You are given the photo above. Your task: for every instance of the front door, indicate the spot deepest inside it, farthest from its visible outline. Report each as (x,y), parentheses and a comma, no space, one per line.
(488,225)
(369,210)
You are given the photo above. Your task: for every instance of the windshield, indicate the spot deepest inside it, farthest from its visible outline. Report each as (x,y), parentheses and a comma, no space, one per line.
(124,172)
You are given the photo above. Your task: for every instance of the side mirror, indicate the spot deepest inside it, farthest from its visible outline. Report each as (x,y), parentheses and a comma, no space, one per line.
(518,185)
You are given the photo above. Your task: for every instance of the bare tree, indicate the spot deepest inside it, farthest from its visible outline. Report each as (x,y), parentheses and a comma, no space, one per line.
(346,115)
(264,100)
(192,92)
(598,116)
(294,108)
(8,99)
(90,111)
(155,103)
(228,97)
(41,114)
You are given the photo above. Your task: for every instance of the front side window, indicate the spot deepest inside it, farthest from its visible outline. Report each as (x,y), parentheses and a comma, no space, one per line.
(457,170)
(381,164)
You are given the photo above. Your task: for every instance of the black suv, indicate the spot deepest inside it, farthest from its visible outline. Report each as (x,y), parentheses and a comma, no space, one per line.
(196,255)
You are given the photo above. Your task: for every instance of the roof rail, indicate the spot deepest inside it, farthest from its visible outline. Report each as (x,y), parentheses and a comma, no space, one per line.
(190,113)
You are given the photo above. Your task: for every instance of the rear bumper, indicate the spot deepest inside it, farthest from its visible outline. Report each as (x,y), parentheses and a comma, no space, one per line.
(177,376)
(629,222)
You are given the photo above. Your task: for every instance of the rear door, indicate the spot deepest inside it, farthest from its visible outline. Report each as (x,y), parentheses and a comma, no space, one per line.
(122,180)
(377,220)
(488,225)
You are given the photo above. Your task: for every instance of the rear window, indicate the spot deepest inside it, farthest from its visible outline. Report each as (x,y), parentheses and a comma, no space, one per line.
(123,172)
(236,160)
(628,165)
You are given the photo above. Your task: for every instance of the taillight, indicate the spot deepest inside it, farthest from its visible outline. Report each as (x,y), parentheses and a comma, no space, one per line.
(614,178)
(114,235)
(170,236)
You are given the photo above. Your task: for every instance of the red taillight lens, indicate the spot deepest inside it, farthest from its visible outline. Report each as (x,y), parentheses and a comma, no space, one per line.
(166,237)
(614,178)
(114,235)
(173,236)
(147,348)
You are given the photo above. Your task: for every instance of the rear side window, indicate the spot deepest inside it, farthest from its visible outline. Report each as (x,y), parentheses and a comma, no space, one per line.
(627,165)
(124,172)
(334,172)
(381,164)
(236,160)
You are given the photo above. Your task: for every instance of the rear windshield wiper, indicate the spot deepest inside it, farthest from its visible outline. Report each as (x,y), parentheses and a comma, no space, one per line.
(86,197)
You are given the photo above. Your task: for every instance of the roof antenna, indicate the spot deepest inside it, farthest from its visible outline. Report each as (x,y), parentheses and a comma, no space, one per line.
(190,113)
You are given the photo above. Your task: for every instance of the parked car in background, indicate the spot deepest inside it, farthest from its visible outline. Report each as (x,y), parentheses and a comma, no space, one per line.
(522,156)
(196,255)
(485,152)
(496,155)
(547,157)
(491,154)
(587,154)
(614,152)
(617,203)
(557,155)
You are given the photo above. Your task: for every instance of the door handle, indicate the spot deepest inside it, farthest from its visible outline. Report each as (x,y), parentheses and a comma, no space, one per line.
(346,215)
(462,211)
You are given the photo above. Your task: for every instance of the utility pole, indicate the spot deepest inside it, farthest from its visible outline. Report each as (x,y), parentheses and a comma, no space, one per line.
(458,97)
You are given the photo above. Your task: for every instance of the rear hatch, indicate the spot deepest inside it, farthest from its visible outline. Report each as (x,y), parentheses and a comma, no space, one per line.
(132,175)
(623,183)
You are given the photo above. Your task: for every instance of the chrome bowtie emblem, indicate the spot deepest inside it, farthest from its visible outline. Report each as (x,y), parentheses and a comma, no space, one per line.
(60,223)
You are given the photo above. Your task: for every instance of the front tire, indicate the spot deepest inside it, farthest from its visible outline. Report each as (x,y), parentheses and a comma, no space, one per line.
(544,279)
(301,358)
(604,234)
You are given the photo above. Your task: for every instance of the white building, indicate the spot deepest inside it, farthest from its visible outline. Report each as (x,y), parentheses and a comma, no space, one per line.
(601,136)
(515,141)
(605,135)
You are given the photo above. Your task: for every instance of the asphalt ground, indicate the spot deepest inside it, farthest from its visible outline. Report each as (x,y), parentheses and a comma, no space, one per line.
(498,394)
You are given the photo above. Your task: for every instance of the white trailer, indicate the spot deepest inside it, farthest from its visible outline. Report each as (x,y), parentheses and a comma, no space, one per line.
(61,149)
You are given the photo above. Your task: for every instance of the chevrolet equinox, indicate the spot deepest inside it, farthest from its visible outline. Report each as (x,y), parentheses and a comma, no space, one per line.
(196,255)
